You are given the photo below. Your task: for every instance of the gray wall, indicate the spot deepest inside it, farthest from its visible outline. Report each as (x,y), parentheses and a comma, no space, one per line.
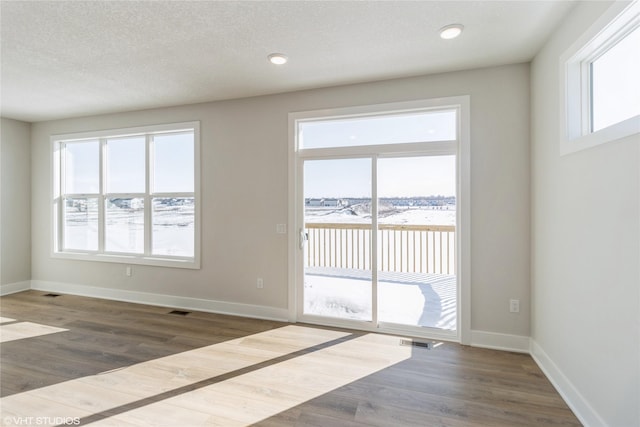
(244,192)
(586,251)
(15,202)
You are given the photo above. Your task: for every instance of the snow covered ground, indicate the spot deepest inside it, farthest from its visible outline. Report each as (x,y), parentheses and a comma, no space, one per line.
(415,299)
(172,229)
(360,214)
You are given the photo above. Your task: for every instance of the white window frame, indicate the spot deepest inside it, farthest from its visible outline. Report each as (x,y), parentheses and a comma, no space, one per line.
(461,147)
(575,80)
(146,258)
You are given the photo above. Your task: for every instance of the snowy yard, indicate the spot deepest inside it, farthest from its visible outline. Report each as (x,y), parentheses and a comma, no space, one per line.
(427,300)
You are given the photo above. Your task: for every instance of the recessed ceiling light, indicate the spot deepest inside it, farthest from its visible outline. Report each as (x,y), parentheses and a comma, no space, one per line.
(451,31)
(278,58)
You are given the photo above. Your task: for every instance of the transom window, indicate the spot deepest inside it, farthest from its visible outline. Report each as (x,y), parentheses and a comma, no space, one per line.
(601,96)
(128,195)
(376,129)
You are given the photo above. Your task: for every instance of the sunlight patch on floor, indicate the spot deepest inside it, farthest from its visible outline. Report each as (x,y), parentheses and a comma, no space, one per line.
(21,330)
(94,394)
(258,395)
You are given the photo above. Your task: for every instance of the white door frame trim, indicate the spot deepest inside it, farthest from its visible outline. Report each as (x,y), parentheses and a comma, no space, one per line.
(464,191)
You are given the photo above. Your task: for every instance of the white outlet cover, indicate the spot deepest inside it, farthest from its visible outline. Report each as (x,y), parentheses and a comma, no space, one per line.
(514,306)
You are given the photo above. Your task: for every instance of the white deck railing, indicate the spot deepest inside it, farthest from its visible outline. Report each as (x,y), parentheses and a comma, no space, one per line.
(401,248)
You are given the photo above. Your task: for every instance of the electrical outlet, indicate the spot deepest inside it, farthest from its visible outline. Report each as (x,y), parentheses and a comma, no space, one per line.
(281,228)
(514,306)
(259,283)
(128,271)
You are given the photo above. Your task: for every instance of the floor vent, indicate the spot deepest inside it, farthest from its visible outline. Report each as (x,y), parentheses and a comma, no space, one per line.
(179,312)
(421,344)
(51,295)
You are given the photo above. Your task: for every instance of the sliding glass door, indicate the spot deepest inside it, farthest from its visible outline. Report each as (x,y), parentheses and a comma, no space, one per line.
(377,214)
(416,241)
(338,227)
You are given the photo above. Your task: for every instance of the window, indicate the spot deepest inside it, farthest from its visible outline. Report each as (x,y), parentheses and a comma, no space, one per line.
(601,99)
(128,195)
(615,85)
(398,128)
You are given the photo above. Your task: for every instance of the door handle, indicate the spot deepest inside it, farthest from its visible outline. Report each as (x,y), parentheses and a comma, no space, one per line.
(303,238)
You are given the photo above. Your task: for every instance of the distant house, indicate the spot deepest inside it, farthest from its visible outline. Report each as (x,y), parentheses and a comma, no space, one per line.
(329,203)
(332,203)
(134,203)
(313,202)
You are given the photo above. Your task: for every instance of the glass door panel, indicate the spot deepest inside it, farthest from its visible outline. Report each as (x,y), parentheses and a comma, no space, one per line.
(416,241)
(337,258)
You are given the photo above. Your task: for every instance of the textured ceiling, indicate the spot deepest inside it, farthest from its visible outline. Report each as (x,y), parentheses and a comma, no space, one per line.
(75,58)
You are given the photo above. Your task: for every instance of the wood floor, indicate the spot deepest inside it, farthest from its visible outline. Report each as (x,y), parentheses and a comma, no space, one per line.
(76,360)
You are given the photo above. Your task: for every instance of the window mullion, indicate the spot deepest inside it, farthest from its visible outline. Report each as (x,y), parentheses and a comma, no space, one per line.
(586,83)
(101,196)
(148,228)
(60,238)
(374,240)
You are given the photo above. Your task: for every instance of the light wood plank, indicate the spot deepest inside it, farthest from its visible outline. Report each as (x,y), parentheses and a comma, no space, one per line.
(21,330)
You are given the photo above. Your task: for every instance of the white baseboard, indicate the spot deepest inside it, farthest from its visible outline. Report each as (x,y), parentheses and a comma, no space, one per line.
(496,341)
(185,303)
(12,288)
(578,404)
